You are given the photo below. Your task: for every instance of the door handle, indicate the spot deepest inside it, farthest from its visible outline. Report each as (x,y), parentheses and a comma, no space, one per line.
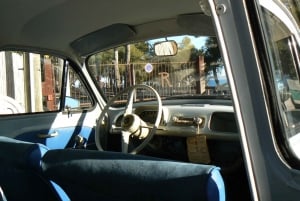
(49,135)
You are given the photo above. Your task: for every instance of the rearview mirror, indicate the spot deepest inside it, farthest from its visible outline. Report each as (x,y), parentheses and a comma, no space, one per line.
(165,48)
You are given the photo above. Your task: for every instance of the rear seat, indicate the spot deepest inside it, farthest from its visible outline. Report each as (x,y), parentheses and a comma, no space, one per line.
(20,172)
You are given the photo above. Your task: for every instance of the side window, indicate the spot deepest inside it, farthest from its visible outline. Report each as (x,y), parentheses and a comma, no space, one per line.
(284,59)
(31,83)
(77,96)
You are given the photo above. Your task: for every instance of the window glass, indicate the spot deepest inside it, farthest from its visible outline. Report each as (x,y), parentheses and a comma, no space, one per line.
(77,96)
(284,58)
(31,82)
(195,70)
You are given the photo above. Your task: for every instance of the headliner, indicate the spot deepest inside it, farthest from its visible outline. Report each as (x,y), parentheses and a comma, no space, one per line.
(54,25)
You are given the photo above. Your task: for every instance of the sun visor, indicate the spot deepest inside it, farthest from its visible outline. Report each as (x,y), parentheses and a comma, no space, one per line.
(103,38)
(197,23)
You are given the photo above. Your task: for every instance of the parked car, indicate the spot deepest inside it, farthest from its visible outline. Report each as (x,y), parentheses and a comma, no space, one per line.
(150,100)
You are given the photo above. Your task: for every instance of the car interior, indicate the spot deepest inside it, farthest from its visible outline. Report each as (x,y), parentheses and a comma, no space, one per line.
(137,106)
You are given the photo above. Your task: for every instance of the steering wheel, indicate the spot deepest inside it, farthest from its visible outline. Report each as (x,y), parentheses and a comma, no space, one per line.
(131,125)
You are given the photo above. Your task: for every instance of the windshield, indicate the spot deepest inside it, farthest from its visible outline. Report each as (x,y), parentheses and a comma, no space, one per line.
(195,70)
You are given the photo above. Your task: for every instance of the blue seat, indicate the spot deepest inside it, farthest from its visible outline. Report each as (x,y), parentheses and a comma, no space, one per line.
(110,176)
(20,172)
(30,171)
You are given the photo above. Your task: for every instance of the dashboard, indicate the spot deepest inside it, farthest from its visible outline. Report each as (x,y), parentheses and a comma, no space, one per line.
(213,121)
(198,131)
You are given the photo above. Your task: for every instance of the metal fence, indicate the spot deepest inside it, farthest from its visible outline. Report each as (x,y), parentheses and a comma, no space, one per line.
(168,78)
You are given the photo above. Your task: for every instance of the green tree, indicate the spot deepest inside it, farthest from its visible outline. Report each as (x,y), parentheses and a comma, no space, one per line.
(185,48)
(212,57)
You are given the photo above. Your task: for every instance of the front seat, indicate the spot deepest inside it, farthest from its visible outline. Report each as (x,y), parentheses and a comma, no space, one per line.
(20,172)
(111,176)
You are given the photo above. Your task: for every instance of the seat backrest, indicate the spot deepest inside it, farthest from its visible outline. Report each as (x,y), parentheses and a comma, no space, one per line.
(20,172)
(95,175)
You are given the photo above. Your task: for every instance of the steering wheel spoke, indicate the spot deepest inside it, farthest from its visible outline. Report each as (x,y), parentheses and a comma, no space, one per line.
(125,141)
(129,105)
